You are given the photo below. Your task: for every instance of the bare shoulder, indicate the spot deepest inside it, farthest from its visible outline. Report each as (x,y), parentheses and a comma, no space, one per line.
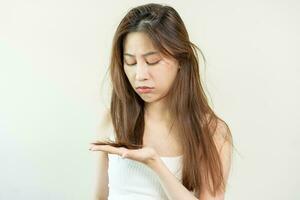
(104,128)
(221,133)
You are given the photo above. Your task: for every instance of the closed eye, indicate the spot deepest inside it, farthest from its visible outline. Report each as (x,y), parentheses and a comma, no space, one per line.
(154,63)
(130,64)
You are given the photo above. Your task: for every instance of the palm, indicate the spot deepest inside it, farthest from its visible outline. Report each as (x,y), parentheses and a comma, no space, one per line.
(144,155)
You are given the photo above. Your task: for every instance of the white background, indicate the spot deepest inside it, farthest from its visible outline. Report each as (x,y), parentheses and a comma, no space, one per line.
(53,60)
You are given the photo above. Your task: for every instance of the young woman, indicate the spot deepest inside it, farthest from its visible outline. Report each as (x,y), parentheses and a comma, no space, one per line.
(166,143)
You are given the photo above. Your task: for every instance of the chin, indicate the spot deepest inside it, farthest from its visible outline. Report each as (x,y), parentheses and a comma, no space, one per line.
(147,99)
(150,98)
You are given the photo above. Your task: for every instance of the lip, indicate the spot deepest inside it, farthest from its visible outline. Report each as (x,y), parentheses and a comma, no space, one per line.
(144,89)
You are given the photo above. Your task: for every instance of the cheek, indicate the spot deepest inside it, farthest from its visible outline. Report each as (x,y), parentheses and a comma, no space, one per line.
(166,76)
(129,75)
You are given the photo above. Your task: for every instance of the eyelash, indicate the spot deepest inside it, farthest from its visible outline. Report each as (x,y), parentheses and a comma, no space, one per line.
(147,63)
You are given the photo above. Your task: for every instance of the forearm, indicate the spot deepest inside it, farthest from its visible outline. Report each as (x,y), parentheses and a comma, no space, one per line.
(171,185)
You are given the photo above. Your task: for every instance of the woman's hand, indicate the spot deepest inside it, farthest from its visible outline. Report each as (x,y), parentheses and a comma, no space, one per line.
(146,155)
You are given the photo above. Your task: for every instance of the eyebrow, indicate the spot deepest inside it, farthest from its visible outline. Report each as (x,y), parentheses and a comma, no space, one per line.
(146,54)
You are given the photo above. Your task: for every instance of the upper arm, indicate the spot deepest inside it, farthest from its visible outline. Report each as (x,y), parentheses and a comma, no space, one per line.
(223,140)
(101,188)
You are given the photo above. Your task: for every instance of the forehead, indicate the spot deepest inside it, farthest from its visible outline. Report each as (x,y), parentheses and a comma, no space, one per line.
(138,43)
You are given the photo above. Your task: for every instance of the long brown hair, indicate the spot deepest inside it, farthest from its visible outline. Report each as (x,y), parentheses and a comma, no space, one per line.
(188,105)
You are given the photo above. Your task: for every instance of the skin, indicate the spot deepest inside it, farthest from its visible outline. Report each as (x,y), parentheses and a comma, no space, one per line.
(143,67)
(138,56)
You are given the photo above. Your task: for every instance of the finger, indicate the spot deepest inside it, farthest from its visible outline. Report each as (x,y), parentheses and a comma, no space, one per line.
(108,149)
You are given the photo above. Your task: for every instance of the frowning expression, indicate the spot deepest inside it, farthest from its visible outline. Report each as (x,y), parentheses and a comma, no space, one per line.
(144,65)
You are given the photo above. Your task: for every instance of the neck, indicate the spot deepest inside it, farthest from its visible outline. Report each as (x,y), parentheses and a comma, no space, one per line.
(158,114)
(157,111)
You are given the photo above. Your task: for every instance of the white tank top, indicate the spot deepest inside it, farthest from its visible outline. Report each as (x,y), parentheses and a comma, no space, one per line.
(133,180)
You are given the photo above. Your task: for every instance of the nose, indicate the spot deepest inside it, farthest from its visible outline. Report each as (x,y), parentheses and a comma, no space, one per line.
(142,72)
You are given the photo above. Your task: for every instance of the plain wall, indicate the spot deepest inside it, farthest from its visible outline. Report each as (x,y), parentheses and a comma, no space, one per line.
(53,60)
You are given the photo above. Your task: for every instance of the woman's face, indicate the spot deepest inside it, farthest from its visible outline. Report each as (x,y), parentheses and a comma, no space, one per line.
(145,66)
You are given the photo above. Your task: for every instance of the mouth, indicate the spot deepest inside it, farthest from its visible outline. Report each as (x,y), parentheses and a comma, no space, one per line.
(144,89)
